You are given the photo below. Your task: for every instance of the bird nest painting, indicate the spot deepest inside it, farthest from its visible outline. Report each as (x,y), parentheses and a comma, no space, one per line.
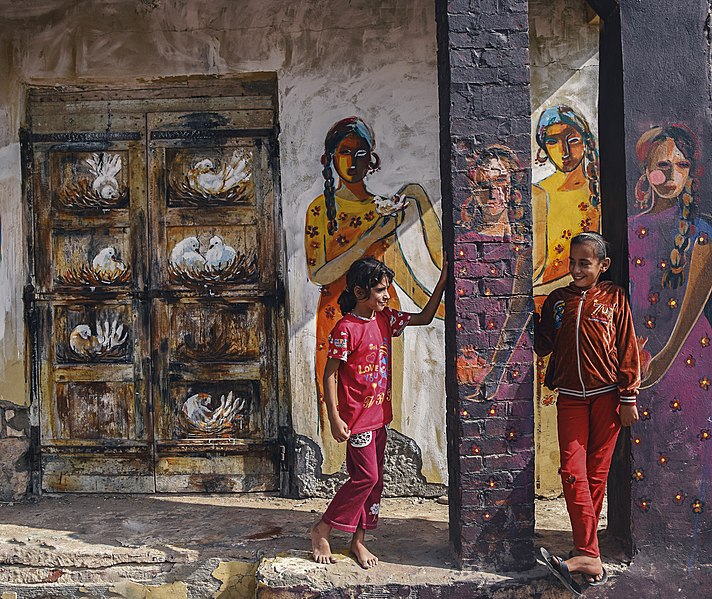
(106,270)
(202,417)
(106,343)
(220,265)
(210,183)
(102,190)
(87,276)
(213,348)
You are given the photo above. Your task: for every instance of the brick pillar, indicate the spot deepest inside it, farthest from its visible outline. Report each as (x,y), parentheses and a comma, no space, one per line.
(483,56)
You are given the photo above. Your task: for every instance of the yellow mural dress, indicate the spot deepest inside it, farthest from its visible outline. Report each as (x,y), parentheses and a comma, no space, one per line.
(355,217)
(567,213)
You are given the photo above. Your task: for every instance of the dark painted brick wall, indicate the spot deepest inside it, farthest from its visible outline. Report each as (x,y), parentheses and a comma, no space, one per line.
(484,100)
(671,499)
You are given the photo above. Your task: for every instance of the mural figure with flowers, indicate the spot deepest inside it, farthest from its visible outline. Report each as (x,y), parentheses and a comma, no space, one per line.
(670,284)
(565,202)
(348,222)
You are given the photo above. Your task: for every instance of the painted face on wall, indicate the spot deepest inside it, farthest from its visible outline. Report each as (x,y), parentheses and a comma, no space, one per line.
(492,187)
(564,146)
(667,169)
(352,158)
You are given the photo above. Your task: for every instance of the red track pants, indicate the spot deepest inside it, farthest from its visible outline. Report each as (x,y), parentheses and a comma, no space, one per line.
(588,429)
(357,503)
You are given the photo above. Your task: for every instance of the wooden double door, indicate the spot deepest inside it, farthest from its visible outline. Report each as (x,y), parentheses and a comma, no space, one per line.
(154,305)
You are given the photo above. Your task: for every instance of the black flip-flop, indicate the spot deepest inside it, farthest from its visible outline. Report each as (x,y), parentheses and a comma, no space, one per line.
(557,566)
(597,583)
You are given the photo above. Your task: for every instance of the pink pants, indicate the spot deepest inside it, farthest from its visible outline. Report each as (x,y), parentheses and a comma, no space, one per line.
(588,429)
(357,503)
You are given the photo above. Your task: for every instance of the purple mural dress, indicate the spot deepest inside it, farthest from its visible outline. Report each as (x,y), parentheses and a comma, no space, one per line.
(680,404)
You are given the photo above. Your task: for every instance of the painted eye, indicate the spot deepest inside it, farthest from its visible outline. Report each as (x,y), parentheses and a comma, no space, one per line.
(574,140)
(550,141)
(360,153)
(683,164)
(663,164)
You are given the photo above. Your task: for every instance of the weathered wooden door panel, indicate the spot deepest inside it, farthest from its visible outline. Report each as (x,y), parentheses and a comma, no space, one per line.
(213,346)
(92,330)
(155,288)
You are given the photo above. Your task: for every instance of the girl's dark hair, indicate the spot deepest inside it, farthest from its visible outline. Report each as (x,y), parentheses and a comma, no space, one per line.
(600,245)
(365,273)
(334,137)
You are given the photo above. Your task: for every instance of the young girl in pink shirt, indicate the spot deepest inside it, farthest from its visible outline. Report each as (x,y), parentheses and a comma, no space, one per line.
(357,392)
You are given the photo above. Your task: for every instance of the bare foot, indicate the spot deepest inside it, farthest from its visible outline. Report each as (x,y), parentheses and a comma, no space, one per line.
(363,556)
(321,550)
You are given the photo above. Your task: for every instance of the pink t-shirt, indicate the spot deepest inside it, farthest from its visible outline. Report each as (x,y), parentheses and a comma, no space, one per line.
(364,379)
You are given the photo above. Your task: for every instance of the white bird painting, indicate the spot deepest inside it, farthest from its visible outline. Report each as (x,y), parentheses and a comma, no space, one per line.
(105,167)
(197,407)
(82,341)
(208,179)
(108,337)
(199,414)
(185,255)
(219,256)
(106,262)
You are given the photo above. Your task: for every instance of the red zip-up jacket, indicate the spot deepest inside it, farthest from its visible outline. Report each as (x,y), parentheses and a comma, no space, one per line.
(590,333)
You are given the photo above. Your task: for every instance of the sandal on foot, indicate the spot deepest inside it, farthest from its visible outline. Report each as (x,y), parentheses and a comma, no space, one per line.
(557,566)
(592,582)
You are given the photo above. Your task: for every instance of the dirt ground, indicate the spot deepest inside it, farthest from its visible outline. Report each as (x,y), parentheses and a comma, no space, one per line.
(102,539)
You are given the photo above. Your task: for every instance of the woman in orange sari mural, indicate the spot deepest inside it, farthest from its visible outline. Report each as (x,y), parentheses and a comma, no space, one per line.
(348,222)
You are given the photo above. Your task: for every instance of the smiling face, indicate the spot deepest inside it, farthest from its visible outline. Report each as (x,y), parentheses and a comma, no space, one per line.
(352,158)
(667,169)
(585,266)
(492,188)
(376,300)
(565,146)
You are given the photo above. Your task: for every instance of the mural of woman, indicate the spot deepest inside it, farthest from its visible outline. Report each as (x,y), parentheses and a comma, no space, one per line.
(494,211)
(670,283)
(495,176)
(348,222)
(564,203)
(568,201)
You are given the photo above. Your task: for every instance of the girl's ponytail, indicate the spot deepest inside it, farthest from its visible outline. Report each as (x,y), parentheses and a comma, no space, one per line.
(347,301)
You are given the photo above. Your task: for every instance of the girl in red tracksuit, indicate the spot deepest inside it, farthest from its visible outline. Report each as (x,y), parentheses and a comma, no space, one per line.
(587,326)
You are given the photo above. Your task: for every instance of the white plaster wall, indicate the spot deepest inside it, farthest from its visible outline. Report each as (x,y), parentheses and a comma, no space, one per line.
(369,58)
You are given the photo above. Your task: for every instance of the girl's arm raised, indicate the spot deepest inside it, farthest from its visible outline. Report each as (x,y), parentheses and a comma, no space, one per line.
(339,429)
(426,315)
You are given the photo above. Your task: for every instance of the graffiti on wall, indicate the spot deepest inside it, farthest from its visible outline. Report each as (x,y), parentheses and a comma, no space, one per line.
(670,285)
(346,222)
